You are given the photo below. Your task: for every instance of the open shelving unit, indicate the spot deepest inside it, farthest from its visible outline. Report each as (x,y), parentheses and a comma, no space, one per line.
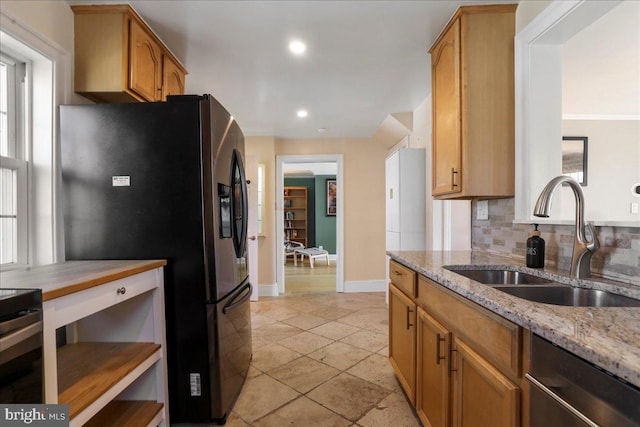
(295,214)
(111,369)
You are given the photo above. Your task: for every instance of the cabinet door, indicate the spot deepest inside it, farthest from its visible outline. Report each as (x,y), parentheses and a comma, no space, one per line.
(433,390)
(445,75)
(144,63)
(172,78)
(402,339)
(482,396)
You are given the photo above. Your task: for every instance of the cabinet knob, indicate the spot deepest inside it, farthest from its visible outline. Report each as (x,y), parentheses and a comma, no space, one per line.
(454,172)
(121,291)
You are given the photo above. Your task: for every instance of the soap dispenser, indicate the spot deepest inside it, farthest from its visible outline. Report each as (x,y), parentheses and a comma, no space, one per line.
(535,249)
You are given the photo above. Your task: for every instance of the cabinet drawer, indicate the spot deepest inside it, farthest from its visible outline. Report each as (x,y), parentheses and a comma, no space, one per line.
(404,278)
(492,336)
(78,305)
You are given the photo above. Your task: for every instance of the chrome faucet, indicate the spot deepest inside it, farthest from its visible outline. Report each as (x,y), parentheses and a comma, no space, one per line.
(582,248)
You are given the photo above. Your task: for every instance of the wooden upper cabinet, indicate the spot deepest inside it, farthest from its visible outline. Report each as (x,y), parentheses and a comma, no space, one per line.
(473,104)
(172,78)
(145,66)
(445,75)
(118,58)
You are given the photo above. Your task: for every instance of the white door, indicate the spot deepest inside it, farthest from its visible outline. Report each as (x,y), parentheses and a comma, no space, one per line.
(252,227)
(392,177)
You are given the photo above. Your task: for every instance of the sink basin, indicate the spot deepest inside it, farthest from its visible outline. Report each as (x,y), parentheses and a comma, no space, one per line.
(500,277)
(569,296)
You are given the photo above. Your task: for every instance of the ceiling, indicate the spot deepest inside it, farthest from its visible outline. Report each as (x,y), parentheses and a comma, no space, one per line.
(364,59)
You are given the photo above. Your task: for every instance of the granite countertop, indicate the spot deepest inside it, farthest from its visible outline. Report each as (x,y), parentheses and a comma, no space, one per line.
(57,280)
(608,337)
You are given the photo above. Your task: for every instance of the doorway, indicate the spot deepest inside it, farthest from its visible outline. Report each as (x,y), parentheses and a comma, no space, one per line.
(309,176)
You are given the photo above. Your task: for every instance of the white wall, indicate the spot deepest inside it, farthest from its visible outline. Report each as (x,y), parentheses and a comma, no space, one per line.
(613,155)
(601,66)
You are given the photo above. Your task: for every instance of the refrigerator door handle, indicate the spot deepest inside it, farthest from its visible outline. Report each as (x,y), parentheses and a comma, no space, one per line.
(233,303)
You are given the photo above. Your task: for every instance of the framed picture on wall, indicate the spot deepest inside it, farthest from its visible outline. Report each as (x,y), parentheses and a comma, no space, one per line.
(332,197)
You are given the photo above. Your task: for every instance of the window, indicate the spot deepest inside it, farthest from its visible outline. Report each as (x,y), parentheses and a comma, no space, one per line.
(13,162)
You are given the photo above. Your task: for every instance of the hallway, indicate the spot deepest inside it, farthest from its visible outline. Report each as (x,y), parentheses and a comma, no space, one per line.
(320,359)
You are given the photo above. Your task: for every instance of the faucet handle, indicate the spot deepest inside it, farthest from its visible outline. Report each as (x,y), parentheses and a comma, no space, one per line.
(594,245)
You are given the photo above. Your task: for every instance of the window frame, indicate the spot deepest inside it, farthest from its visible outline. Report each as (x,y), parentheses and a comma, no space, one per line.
(17,152)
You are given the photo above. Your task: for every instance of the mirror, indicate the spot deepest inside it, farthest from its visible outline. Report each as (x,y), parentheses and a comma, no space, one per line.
(577,67)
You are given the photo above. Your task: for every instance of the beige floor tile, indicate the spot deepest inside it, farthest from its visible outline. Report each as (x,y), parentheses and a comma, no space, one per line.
(304,304)
(384,352)
(303,412)
(258,320)
(375,319)
(339,355)
(348,396)
(253,372)
(303,374)
(394,411)
(234,420)
(334,330)
(305,343)
(280,313)
(377,369)
(257,342)
(331,313)
(261,395)
(271,356)
(368,340)
(275,331)
(305,321)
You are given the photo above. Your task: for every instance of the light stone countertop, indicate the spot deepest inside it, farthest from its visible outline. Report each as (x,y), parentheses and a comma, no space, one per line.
(608,337)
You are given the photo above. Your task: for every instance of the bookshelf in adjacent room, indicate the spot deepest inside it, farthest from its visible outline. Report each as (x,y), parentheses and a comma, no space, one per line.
(295,214)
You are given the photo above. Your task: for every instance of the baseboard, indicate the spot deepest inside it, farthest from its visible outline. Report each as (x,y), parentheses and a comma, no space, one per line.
(365,286)
(268,290)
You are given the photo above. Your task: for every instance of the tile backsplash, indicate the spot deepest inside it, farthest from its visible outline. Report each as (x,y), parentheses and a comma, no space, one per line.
(618,257)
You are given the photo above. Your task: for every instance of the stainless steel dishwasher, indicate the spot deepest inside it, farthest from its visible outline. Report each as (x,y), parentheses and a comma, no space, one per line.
(567,391)
(21,376)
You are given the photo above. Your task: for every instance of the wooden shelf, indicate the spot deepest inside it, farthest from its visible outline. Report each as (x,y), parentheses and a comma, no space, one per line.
(88,371)
(296,228)
(130,413)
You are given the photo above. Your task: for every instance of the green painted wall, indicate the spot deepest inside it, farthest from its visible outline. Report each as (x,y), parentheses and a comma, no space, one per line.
(310,183)
(325,225)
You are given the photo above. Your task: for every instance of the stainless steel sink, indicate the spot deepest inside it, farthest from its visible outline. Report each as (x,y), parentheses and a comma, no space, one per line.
(569,296)
(500,277)
(546,291)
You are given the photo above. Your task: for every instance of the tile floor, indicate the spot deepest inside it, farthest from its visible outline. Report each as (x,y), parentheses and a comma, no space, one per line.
(321,359)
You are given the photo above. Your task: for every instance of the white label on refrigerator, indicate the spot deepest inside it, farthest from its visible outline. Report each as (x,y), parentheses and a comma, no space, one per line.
(121,181)
(194,381)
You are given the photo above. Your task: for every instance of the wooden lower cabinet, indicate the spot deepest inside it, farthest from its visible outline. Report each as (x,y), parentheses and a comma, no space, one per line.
(458,363)
(482,396)
(402,339)
(433,388)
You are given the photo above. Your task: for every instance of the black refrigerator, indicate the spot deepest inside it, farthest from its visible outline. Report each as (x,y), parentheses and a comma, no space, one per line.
(166,180)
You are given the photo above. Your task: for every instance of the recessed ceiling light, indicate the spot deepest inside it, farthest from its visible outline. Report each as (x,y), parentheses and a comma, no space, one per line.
(297,47)
(302,113)
(322,130)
